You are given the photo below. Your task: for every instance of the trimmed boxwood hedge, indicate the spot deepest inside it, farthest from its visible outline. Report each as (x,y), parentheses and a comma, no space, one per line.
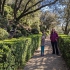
(64,45)
(16,52)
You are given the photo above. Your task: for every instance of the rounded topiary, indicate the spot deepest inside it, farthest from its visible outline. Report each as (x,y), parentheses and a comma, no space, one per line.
(3,34)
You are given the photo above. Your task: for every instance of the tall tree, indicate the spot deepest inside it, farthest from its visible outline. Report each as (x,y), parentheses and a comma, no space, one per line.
(66,17)
(2,3)
(48,20)
(25,7)
(30,6)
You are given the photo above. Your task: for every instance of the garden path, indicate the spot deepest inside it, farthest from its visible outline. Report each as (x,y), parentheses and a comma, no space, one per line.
(47,62)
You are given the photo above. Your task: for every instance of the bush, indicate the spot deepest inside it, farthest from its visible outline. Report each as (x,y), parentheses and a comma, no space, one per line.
(24,32)
(18,51)
(3,34)
(18,34)
(3,22)
(34,31)
(64,45)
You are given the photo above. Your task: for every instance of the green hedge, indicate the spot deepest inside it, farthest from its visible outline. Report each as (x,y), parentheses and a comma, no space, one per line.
(64,45)
(14,53)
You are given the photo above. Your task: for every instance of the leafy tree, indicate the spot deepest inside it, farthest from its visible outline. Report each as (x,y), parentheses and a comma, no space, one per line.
(23,8)
(30,6)
(48,20)
(62,8)
(8,12)
(66,17)
(31,19)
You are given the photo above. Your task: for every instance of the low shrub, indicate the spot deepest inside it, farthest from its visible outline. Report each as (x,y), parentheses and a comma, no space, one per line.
(17,52)
(64,45)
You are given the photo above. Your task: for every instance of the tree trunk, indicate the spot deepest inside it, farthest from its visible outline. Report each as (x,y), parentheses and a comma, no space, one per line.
(3,7)
(66,31)
(0,6)
(2,3)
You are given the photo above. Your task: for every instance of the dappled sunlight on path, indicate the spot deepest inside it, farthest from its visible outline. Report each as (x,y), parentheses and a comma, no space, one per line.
(47,62)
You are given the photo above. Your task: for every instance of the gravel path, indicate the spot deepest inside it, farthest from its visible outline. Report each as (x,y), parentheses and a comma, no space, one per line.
(47,62)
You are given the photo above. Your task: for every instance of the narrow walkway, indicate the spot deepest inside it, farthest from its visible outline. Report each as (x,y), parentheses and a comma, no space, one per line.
(47,62)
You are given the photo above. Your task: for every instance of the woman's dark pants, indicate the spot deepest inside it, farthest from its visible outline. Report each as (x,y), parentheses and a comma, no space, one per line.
(54,47)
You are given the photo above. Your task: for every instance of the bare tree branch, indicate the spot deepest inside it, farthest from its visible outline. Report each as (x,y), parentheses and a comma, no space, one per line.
(19,5)
(0,5)
(3,6)
(26,5)
(15,9)
(26,13)
(34,5)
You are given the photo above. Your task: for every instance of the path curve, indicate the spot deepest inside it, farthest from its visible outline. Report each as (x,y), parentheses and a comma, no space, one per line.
(47,62)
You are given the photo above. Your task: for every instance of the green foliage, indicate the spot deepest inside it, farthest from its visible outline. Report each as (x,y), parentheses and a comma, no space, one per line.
(66,18)
(8,12)
(25,32)
(34,26)
(48,20)
(22,31)
(42,28)
(31,20)
(18,51)
(3,22)
(34,31)
(18,34)
(64,45)
(3,34)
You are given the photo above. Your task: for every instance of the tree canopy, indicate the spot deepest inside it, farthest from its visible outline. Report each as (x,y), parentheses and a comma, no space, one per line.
(49,20)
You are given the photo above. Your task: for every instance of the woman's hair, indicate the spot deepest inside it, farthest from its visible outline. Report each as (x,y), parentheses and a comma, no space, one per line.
(52,31)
